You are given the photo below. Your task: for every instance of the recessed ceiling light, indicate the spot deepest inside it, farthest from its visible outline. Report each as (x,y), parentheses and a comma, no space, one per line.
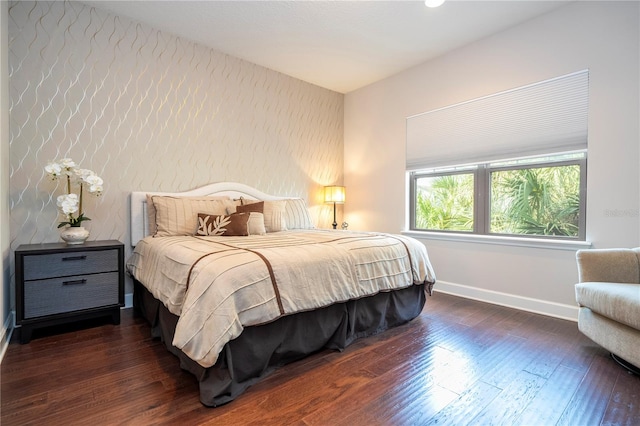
(433,3)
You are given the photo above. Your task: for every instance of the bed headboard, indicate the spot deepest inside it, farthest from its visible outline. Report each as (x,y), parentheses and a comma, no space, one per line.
(140,225)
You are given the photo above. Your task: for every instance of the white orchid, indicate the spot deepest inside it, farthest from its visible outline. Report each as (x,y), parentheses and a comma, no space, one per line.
(95,183)
(71,203)
(83,173)
(68,164)
(54,170)
(68,203)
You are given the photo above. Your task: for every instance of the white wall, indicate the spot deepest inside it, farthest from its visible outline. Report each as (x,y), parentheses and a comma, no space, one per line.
(600,36)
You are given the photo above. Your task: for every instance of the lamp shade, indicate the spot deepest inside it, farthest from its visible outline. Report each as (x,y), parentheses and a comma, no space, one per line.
(334,194)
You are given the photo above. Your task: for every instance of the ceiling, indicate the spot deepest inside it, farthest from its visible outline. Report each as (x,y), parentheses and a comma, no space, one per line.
(339,45)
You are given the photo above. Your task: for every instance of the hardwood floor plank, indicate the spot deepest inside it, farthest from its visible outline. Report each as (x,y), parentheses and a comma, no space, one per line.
(471,369)
(460,362)
(580,356)
(466,406)
(588,404)
(402,408)
(383,385)
(550,354)
(512,361)
(553,397)
(623,408)
(509,404)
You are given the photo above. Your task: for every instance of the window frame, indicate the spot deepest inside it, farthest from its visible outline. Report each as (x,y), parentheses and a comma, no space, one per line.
(482,192)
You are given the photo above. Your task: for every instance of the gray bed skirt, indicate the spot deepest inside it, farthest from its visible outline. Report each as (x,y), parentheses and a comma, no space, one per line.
(259,350)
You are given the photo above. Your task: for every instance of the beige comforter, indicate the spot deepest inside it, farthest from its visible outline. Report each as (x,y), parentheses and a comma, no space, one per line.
(219,285)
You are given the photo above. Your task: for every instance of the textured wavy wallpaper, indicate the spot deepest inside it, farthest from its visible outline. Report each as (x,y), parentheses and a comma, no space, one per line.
(150,111)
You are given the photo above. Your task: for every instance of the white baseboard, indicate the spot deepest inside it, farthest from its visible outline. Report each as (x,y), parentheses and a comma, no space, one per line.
(128,300)
(7,331)
(538,306)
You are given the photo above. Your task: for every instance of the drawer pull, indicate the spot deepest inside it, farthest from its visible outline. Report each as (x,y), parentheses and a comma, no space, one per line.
(74,258)
(74,282)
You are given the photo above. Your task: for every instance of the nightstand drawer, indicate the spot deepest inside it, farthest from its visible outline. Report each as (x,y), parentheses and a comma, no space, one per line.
(62,295)
(52,265)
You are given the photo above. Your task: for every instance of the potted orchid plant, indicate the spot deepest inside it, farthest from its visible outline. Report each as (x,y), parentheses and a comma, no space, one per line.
(70,203)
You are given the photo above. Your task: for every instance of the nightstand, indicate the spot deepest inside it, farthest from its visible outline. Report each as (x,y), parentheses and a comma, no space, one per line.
(58,283)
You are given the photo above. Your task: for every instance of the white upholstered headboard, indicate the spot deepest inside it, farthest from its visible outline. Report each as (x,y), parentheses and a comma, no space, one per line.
(140,225)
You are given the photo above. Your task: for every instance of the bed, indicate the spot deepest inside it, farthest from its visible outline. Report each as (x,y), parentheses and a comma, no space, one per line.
(237,282)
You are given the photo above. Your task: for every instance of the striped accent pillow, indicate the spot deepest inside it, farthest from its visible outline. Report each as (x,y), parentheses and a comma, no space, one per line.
(296,214)
(179,215)
(151,210)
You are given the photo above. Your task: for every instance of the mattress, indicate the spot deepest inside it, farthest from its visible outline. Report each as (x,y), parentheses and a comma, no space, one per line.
(219,285)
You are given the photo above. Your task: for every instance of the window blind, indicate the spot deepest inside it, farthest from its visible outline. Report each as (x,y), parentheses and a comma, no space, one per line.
(540,118)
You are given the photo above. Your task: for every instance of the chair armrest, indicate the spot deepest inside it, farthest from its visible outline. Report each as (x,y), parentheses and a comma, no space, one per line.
(608,265)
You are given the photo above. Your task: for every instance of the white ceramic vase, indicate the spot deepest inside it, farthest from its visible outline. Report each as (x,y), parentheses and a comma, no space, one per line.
(74,234)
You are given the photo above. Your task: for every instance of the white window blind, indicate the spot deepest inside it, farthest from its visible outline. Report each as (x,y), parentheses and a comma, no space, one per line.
(544,117)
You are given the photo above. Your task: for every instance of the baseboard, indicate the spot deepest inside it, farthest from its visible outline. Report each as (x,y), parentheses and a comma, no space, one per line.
(128,300)
(543,307)
(7,331)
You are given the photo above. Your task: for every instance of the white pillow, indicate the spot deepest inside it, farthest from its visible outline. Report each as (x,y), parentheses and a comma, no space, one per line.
(297,215)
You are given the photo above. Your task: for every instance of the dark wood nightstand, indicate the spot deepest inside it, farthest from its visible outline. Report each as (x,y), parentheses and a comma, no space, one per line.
(58,283)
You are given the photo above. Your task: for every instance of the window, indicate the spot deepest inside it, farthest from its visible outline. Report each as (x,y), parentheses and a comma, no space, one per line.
(460,183)
(542,196)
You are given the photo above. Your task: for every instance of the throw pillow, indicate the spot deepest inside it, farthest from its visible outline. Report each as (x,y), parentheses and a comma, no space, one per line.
(234,225)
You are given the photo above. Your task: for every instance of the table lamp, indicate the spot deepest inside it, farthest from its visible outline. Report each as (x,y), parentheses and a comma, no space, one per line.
(335,195)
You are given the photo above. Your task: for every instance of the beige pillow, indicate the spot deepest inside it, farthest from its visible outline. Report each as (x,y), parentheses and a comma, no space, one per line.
(179,215)
(233,225)
(274,215)
(151,210)
(297,215)
(273,211)
(256,224)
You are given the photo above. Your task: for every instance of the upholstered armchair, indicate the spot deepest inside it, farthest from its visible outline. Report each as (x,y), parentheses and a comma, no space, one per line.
(608,293)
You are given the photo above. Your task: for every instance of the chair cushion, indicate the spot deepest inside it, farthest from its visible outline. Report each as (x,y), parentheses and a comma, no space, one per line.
(609,265)
(619,302)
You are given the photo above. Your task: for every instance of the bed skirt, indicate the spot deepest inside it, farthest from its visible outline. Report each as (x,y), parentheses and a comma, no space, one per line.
(259,350)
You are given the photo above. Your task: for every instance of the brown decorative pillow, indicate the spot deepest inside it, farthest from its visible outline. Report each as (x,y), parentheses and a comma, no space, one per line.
(233,225)
(253,207)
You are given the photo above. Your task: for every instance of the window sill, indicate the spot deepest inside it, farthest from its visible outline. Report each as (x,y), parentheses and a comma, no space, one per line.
(500,240)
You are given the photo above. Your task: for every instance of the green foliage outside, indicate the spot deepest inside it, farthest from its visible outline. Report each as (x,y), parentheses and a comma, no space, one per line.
(533,201)
(445,203)
(540,201)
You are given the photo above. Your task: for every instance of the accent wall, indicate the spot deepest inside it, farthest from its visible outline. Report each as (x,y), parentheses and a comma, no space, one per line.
(147,110)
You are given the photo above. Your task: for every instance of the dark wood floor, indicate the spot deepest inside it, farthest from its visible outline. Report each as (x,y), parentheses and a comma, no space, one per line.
(460,362)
